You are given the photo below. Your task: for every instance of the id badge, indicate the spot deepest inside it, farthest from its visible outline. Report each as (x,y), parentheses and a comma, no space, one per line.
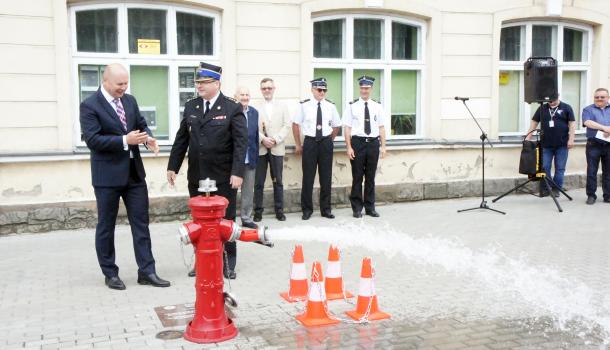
(551,124)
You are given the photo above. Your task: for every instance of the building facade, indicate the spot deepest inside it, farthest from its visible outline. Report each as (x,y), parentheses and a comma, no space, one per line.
(422,53)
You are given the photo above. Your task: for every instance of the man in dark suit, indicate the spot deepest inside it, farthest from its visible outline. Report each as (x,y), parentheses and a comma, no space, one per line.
(113,128)
(214,131)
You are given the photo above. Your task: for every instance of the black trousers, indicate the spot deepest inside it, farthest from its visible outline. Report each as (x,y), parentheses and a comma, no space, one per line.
(224,190)
(317,155)
(276,167)
(596,152)
(135,198)
(364,164)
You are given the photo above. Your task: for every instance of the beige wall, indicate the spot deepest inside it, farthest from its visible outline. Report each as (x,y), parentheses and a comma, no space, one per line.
(265,38)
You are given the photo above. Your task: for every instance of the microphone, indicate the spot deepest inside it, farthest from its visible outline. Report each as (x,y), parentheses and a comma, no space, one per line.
(462,98)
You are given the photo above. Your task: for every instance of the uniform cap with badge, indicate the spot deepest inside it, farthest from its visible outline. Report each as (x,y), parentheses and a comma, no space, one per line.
(319,83)
(208,72)
(366,81)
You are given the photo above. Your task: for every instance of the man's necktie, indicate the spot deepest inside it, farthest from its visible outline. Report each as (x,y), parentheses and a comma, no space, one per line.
(121,112)
(367,119)
(207,107)
(319,123)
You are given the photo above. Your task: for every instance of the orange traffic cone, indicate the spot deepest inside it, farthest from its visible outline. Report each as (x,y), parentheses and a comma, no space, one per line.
(316,312)
(298,277)
(367,308)
(334,278)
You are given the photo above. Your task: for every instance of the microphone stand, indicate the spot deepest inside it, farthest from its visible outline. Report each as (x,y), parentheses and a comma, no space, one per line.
(483,137)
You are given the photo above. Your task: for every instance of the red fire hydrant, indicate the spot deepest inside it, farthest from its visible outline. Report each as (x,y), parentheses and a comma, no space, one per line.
(207,232)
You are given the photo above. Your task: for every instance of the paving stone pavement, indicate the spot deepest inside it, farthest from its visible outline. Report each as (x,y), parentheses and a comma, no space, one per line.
(532,279)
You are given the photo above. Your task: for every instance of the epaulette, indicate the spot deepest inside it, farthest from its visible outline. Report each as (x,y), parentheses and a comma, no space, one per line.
(376,100)
(231,99)
(305,100)
(354,101)
(330,101)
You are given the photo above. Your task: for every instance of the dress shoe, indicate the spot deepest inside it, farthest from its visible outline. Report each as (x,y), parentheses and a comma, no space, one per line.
(372,213)
(556,192)
(192,273)
(153,280)
(115,283)
(357,214)
(328,215)
(258,217)
(306,216)
(249,224)
(590,200)
(229,274)
(280,215)
(606,200)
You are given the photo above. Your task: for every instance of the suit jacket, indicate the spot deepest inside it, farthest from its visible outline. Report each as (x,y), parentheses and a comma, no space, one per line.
(104,132)
(276,125)
(216,142)
(252,137)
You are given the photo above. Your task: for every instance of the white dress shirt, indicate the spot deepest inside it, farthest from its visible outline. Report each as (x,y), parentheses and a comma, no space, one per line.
(110,100)
(353,116)
(306,117)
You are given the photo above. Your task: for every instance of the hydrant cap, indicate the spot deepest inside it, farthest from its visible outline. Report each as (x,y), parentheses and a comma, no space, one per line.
(208,207)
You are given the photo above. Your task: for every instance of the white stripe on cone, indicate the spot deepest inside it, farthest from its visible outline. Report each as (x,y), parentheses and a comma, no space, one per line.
(333,269)
(316,291)
(298,271)
(366,288)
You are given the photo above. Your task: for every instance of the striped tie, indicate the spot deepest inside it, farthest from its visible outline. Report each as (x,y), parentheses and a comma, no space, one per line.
(121,112)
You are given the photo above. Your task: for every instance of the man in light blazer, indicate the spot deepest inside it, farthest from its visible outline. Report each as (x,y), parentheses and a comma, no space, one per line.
(274,123)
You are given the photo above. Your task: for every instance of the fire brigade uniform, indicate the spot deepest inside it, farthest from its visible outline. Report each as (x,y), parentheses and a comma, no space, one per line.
(364,118)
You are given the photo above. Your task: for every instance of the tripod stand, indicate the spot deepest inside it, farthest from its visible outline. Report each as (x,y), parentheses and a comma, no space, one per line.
(483,137)
(540,175)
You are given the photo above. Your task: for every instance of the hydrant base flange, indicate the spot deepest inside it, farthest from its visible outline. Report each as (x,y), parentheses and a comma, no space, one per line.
(211,336)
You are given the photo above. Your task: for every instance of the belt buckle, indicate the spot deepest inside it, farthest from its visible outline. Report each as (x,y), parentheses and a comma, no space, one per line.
(366,139)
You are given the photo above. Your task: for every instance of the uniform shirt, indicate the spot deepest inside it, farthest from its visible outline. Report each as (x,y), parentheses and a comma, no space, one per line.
(306,117)
(353,116)
(561,116)
(596,114)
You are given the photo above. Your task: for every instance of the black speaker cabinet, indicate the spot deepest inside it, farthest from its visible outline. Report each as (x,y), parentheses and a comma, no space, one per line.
(540,79)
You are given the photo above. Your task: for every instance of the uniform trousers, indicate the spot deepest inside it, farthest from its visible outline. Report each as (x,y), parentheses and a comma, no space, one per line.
(364,164)
(317,155)
(224,190)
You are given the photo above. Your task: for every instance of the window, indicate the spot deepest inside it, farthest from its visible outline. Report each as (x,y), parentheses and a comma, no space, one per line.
(568,43)
(160,46)
(386,48)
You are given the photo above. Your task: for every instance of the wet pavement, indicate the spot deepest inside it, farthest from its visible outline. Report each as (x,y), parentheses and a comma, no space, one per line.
(532,279)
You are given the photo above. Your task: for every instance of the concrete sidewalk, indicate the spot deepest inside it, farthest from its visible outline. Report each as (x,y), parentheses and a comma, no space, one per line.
(531,279)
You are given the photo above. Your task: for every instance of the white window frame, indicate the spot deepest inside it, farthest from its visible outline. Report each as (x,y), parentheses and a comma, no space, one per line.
(172,60)
(527,110)
(386,64)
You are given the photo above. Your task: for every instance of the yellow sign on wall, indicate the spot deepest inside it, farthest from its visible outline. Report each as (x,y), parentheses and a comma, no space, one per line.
(149,46)
(504,78)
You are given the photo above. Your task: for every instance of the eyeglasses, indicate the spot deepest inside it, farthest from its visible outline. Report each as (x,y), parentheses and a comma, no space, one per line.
(600,97)
(321,90)
(267,88)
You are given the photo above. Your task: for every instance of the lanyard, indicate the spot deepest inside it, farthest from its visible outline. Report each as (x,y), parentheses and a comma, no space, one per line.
(553,112)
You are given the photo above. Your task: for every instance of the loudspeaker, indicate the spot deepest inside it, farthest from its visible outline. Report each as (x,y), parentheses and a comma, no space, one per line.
(540,79)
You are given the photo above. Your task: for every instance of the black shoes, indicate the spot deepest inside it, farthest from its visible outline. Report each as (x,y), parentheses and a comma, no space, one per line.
(192,273)
(372,213)
(115,283)
(153,280)
(306,216)
(280,215)
(357,214)
(249,224)
(258,217)
(590,200)
(230,274)
(328,215)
